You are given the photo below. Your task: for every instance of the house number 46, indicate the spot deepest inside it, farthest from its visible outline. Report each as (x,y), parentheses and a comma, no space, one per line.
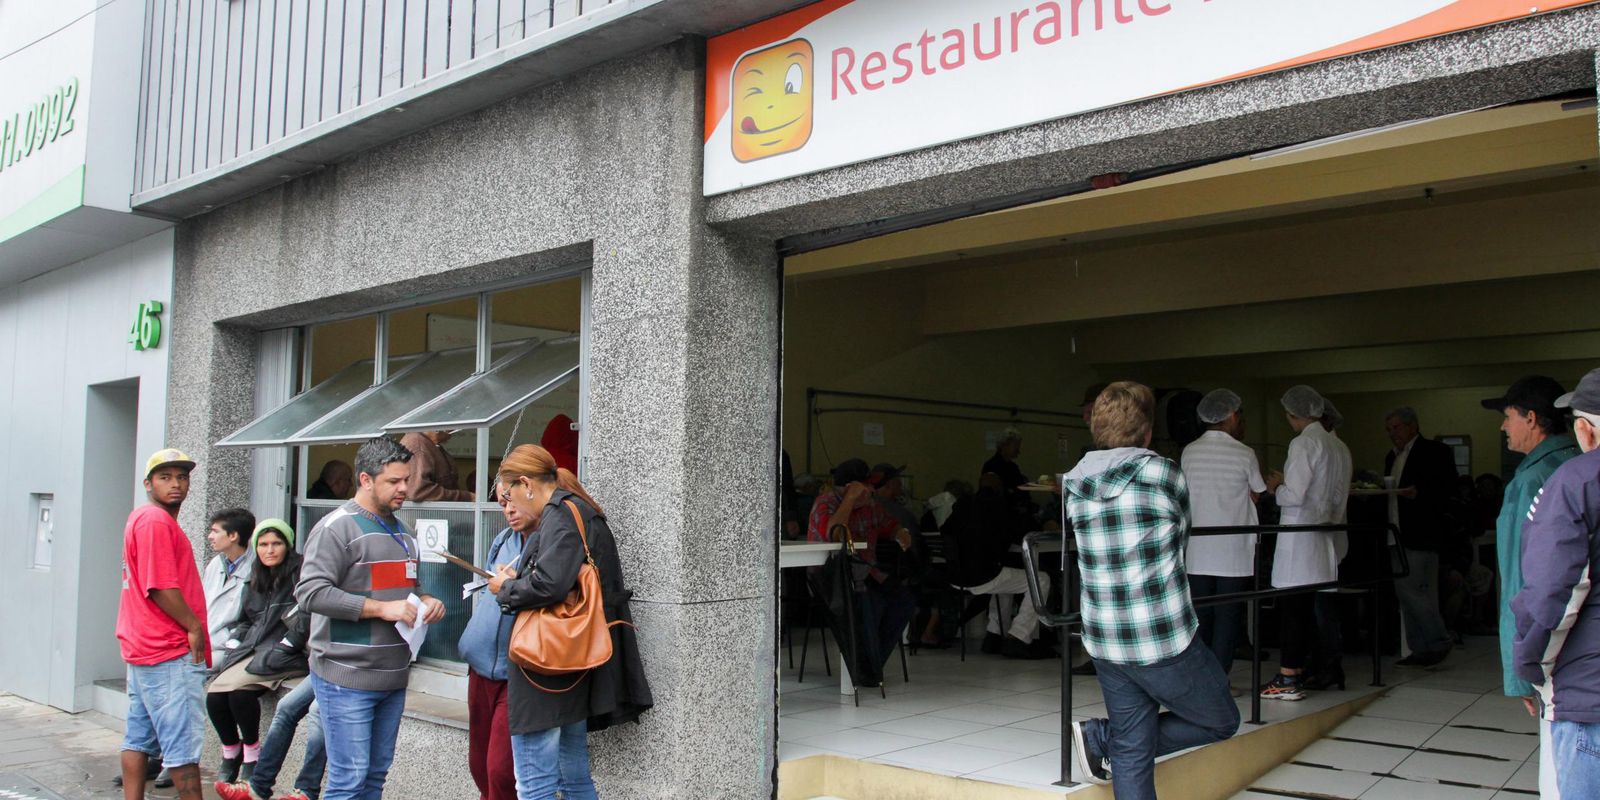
(146,331)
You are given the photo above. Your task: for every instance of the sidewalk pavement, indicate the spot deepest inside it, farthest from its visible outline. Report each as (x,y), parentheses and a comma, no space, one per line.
(46,753)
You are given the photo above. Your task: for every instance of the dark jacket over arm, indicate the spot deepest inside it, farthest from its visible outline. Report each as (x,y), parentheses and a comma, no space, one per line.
(614,692)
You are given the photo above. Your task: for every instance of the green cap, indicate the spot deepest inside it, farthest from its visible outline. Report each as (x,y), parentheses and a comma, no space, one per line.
(273,524)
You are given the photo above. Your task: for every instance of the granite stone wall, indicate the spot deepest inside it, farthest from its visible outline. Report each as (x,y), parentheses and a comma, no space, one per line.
(601,169)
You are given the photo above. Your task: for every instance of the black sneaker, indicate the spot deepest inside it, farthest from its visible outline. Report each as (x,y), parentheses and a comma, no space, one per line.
(152,769)
(1431,659)
(1016,648)
(164,780)
(1093,768)
(993,644)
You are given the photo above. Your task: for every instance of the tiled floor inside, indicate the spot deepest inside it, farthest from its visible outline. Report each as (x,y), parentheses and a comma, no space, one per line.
(1445,733)
(995,719)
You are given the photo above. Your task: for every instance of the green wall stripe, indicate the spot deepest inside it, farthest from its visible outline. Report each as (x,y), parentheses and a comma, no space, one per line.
(64,196)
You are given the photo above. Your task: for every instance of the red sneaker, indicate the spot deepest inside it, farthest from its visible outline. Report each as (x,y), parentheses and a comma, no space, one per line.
(234,791)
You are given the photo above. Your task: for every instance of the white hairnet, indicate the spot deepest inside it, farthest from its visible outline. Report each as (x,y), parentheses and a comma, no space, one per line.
(1330,414)
(1218,405)
(1304,402)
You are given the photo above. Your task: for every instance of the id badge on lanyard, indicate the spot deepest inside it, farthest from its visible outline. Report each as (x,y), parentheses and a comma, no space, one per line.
(411,563)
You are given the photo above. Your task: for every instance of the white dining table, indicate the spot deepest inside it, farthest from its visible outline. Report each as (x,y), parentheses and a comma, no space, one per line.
(792,555)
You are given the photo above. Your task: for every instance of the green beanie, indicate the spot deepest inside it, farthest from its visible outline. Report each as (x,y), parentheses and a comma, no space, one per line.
(273,524)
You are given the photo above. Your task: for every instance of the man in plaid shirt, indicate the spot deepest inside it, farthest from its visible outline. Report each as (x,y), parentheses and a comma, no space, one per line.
(1130,513)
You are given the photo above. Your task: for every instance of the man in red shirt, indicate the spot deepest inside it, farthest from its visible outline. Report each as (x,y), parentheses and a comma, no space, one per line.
(162,627)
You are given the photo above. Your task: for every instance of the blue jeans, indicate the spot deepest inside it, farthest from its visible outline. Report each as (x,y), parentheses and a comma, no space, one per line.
(359,728)
(1577,757)
(1190,684)
(301,703)
(167,710)
(557,758)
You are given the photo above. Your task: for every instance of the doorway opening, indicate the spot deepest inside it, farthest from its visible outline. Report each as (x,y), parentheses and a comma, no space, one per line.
(110,466)
(1425,266)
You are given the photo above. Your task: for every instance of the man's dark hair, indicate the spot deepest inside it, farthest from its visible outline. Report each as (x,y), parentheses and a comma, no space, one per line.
(1550,420)
(237,521)
(379,452)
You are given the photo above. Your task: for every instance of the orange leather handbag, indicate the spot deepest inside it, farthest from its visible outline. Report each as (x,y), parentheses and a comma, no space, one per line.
(569,637)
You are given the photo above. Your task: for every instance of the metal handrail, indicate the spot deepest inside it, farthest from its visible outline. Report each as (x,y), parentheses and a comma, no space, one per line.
(1394,565)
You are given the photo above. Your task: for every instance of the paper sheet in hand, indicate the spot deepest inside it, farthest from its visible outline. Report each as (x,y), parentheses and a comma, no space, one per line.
(471,586)
(414,634)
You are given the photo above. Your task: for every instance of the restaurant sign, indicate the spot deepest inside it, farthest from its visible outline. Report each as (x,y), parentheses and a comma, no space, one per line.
(843,81)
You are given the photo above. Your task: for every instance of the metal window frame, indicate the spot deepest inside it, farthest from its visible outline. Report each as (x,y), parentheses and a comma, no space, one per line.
(484,345)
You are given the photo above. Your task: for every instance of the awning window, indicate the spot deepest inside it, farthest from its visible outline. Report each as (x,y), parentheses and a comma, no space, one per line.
(425,392)
(510,383)
(365,417)
(277,425)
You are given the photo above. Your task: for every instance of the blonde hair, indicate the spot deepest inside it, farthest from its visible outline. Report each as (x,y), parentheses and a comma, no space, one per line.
(536,464)
(1123,415)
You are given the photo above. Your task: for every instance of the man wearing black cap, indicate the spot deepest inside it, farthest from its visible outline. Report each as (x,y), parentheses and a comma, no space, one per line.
(1537,429)
(887,605)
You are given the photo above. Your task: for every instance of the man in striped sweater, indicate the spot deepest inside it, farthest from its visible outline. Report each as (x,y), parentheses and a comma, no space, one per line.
(360,569)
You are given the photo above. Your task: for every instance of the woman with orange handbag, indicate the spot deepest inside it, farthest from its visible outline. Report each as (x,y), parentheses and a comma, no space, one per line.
(554,705)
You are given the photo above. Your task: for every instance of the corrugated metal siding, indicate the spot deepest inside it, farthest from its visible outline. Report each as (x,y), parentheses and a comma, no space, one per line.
(222,78)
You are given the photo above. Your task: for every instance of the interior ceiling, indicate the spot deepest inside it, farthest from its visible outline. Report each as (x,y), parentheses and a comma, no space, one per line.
(1493,147)
(1453,252)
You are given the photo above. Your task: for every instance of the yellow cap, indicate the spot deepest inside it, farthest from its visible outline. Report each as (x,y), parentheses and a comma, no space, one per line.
(169,457)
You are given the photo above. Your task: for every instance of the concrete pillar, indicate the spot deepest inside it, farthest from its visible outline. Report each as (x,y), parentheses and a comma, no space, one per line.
(682,450)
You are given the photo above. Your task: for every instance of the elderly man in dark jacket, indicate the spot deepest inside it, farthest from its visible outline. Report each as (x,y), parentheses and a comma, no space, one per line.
(1423,474)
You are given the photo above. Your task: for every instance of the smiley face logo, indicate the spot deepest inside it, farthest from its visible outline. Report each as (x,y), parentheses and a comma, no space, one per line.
(772,100)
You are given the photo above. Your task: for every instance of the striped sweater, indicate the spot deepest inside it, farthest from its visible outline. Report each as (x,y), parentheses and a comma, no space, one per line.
(352,555)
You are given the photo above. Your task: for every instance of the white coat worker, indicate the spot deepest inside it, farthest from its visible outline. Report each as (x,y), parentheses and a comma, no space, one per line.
(1312,490)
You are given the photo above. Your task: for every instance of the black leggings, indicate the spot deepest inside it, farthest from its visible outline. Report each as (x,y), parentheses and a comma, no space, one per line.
(1298,632)
(236,715)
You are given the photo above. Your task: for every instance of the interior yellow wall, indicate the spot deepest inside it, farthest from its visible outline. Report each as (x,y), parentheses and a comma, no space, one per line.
(557,306)
(857,335)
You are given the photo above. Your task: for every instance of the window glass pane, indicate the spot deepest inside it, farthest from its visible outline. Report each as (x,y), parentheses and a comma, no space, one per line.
(333,345)
(546,422)
(432,328)
(510,383)
(413,380)
(336,345)
(443,580)
(284,421)
(542,311)
(309,515)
